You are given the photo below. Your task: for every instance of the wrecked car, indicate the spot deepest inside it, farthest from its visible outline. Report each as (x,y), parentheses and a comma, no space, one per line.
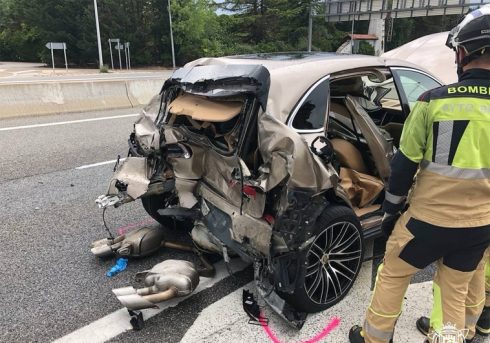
(280,159)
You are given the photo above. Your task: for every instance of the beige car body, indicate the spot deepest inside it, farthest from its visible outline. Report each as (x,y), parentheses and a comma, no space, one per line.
(242,182)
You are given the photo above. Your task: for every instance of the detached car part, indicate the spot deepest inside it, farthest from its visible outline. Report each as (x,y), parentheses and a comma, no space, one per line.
(143,242)
(138,243)
(252,309)
(166,280)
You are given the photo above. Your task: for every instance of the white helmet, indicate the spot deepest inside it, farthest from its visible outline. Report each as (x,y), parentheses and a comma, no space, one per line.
(473,33)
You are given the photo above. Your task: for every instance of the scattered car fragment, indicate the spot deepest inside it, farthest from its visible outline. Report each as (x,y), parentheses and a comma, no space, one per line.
(166,280)
(280,159)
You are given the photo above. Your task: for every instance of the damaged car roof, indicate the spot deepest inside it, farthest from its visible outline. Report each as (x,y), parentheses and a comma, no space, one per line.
(292,73)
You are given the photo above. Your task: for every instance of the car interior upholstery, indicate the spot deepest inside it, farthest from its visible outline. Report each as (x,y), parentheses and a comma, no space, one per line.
(359,175)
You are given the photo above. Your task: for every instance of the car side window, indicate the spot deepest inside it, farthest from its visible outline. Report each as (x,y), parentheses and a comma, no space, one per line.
(414,83)
(312,111)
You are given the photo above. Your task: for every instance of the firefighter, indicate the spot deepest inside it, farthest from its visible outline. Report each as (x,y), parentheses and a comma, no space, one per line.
(446,138)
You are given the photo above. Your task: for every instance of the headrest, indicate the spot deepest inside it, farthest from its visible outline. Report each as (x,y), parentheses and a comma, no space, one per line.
(353,86)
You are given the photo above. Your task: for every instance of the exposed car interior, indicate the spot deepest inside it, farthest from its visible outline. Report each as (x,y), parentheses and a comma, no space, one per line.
(370,94)
(221,120)
(218,119)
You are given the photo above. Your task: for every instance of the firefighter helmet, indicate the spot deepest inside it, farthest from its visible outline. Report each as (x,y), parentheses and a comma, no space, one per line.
(472,34)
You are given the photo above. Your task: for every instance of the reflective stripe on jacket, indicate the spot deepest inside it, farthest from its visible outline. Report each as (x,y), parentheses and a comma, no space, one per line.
(447,135)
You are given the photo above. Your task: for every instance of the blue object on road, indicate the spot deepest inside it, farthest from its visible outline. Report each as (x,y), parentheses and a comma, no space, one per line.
(121,264)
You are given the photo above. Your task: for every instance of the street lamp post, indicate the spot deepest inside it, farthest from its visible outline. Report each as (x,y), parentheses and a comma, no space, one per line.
(101,62)
(171,34)
(310,26)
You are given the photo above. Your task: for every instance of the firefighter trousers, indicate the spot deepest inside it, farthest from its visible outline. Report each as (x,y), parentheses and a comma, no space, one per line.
(475,299)
(479,281)
(412,246)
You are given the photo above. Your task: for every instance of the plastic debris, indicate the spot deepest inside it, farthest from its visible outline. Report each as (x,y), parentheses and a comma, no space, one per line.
(121,265)
(252,309)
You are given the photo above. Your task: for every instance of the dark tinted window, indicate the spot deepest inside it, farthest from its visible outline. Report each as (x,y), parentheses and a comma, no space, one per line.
(311,114)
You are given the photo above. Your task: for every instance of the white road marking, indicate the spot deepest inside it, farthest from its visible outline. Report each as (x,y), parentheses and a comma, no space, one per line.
(66,122)
(117,322)
(99,164)
(224,321)
(15,73)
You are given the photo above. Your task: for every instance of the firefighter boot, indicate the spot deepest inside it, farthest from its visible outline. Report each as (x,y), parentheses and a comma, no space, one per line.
(483,324)
(423,325)
(357,336)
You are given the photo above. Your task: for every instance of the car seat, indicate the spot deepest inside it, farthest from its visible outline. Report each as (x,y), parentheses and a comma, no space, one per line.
(361,188)
(348,155)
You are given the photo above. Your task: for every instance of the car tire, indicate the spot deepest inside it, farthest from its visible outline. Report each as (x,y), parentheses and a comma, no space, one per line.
(333,261)
(155,202)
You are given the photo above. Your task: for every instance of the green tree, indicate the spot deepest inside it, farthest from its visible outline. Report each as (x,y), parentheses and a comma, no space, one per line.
(196,30)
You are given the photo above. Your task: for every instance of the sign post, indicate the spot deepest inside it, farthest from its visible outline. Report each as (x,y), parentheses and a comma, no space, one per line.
(110,50)
(119,47)
(52,56)
(128,56)
(64,52)
(57,46)
(112,40)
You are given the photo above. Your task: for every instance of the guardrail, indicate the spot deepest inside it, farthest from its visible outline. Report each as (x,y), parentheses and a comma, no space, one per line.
(27,99)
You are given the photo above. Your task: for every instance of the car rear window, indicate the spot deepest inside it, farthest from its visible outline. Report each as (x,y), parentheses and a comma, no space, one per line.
(311,114)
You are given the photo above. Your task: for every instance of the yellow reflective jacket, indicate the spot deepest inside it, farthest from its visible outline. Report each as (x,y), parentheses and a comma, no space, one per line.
(447,135)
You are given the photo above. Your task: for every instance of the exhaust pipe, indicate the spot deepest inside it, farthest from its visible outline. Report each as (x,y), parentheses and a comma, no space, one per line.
(166,280)
(143,242)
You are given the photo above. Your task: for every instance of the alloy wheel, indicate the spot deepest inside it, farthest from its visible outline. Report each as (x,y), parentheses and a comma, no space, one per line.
(333,261)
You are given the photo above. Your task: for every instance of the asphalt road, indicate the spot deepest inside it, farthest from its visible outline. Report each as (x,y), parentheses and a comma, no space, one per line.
(50,284)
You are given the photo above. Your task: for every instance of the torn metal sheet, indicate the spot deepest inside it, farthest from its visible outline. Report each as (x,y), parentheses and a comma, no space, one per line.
(147,134)
(286,154)
(223,80)
(185,191)
(133,172)
(153,108)
(238,227)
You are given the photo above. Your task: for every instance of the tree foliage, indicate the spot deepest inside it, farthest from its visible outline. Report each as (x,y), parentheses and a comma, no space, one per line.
(200,29)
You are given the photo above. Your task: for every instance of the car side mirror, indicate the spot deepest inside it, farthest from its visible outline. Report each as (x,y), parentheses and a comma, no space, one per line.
(323,148)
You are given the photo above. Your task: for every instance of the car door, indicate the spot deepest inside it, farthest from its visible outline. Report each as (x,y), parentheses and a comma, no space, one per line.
(411,83)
